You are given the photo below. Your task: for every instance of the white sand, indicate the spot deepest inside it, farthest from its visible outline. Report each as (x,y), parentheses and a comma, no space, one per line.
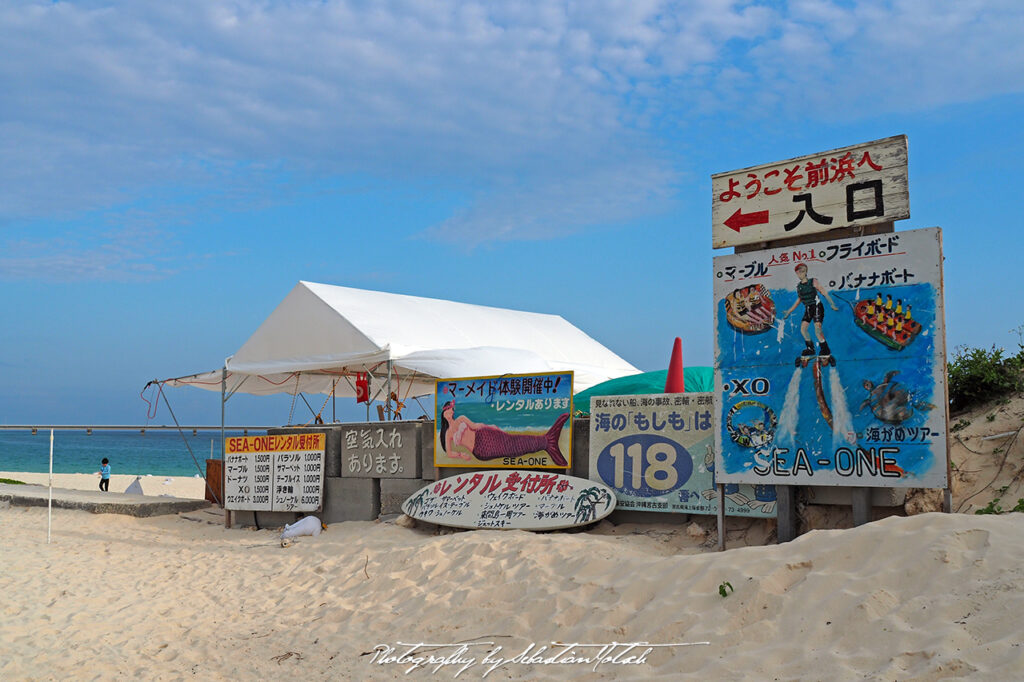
(175,486)
(926,597)
(181,597)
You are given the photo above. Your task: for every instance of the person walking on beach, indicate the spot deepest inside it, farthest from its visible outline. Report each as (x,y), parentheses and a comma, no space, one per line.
(105,475)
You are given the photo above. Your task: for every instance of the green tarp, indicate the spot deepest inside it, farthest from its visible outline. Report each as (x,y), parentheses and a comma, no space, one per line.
(696,380)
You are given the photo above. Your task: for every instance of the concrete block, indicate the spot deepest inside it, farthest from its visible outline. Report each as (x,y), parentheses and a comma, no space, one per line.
(581,447)
(448,472)
(427,468)
(381,450)
(880,497)
(620,516)
(351,499)
(97,502)
(395,491)
(264,519)
(788,521)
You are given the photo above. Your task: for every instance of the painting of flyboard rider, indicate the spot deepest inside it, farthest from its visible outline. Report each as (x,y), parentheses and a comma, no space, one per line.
(829,363)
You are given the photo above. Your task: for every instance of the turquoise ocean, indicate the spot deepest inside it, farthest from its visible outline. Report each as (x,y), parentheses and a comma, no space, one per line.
(159,453)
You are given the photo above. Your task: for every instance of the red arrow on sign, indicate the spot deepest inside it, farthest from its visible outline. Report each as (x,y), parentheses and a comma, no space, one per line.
(739,220)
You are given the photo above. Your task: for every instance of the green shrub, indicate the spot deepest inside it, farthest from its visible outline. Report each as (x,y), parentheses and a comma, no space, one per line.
(993,507)
(977,376)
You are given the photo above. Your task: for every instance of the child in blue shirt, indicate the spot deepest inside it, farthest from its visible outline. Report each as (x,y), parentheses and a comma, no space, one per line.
(105,475)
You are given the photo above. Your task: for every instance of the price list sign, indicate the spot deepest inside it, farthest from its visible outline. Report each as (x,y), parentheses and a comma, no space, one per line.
(275,473)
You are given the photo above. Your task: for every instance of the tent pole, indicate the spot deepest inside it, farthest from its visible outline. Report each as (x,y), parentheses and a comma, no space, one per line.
(334,402)
(49,504)
(223,393)
(223,442)
(389,412)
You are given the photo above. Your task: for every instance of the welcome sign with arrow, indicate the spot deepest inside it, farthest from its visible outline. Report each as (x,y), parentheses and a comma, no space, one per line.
(858,185)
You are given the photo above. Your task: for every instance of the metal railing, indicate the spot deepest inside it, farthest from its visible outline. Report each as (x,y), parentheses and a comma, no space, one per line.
(35,428)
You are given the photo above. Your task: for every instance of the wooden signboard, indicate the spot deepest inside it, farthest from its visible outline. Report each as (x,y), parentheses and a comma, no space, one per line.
(657,453)
(526,500)
(859,185)
(830,363)
(513,420)
(275,473)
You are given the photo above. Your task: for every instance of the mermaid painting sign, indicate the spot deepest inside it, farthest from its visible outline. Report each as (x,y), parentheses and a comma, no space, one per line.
(830,363)
(513,420)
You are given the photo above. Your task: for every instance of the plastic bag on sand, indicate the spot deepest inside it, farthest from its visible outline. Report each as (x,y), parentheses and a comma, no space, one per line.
(135,488)
(309,525)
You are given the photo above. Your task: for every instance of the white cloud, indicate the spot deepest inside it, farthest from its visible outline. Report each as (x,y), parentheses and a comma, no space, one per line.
(549,107)
(877,56)
(560,204)
(124,255)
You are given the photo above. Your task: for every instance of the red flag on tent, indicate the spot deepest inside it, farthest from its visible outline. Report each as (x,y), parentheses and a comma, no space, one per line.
(674,382)
(362,388)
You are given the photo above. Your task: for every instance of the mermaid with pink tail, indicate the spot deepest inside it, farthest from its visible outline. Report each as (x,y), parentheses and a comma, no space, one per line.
(464,439)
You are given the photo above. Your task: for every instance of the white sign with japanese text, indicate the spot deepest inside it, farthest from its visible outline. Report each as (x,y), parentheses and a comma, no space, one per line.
(657,453)
(526,500)
(275,473)
(858,185)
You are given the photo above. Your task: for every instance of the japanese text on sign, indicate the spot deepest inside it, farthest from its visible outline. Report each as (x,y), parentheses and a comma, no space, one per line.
(265,473)
(856,185)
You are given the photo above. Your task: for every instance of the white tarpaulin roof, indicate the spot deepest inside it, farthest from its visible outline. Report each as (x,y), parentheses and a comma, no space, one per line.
(321,335)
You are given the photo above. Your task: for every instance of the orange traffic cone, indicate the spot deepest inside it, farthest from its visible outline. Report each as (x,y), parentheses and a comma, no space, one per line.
(675,383)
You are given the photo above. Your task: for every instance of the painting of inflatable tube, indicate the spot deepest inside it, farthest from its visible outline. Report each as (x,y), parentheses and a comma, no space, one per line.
(829,363)
(657,453)
(513,420)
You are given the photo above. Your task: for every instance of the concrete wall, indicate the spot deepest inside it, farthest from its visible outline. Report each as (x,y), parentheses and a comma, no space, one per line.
(351,499)
(365,499)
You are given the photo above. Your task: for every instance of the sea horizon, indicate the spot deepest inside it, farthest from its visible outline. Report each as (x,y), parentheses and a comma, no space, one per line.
(131,452)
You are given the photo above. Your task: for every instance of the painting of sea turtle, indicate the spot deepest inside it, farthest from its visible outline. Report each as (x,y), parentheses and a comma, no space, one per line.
(890,401)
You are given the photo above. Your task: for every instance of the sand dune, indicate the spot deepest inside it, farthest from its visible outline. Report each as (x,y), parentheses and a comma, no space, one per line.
(175,597)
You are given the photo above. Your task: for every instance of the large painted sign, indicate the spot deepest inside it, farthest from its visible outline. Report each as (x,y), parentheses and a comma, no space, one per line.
(830,363)
(527,500)
(514,420)
(275,473)
(858,185)
(656,452)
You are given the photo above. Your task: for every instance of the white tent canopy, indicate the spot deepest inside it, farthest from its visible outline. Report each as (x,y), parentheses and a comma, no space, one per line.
(321,335)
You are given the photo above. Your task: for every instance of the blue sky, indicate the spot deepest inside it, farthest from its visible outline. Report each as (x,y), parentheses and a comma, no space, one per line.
(171,170)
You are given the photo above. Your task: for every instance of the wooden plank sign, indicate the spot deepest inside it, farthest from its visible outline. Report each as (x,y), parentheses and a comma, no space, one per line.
(526,500)
(859,185)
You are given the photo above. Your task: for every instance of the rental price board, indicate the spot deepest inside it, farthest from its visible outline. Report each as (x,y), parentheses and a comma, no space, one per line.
(656,453)
(275,473)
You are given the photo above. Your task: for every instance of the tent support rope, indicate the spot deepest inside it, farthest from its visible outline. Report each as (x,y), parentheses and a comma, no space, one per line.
(183,438)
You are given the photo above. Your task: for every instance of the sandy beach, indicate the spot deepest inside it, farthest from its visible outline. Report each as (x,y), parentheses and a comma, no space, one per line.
(175,486)
(920,597)
(174,597)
